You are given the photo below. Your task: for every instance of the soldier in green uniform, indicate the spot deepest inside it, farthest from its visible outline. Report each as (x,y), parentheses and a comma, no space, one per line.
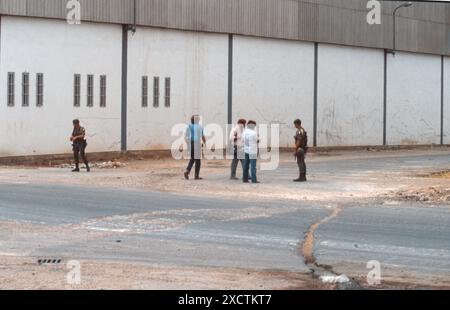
(301,148)
(79,145)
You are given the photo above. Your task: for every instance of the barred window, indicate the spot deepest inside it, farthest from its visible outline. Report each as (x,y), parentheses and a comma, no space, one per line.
(168,90)
(39,89)
(76,90)
(90,90)
(145,91)
(25,89)
(11,88)
(103,91)
(156,92)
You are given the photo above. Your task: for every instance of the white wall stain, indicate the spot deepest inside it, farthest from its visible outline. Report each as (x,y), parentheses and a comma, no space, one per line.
(197,63)
(350,96)
(414,99)
(273,81)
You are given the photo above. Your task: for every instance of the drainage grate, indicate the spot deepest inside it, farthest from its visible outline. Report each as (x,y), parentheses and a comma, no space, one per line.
(49,261)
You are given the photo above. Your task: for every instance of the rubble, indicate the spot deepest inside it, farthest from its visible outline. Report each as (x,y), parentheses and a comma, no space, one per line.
(333,279)
(109,165)
(98,165)
(440,174)
(430,194)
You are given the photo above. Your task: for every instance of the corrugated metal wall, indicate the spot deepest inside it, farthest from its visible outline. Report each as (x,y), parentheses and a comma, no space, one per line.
(448,27)
(424,27)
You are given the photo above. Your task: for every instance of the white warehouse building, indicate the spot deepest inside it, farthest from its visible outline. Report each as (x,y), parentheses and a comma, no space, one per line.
(134,68)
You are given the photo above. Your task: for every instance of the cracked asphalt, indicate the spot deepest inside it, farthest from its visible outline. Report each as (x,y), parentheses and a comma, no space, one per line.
(158,228)
(410,240)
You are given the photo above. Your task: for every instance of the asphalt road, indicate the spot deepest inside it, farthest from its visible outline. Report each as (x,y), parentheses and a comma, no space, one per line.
(409,240)
(155,228)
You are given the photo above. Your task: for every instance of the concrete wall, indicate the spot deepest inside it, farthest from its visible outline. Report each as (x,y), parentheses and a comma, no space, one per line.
(447,100)
(59,51)
(273,82)
(197,64)
(414,99)
(350,96)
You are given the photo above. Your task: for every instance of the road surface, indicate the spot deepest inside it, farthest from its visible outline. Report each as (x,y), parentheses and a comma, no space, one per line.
(331,234)
(411,241)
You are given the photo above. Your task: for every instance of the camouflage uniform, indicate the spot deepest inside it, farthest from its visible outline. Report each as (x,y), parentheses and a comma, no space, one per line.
(79,147)
(301,136)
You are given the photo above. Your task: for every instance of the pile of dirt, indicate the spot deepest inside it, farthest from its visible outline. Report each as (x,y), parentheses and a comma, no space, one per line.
(430,194)
(441,174)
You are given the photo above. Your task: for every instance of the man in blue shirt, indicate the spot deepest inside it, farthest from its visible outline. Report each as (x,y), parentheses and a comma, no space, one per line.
(194,138)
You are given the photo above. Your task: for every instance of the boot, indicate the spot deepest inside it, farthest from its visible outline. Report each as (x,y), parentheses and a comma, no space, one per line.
(88,169)
(303,177)
(77,168)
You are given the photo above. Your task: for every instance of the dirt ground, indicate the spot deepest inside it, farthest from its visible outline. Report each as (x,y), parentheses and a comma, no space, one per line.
(26,273)
(166,175)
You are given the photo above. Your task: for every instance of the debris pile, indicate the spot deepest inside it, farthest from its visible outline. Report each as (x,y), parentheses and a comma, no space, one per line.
(430,194)
(112,164)
(441,174)
(109,165)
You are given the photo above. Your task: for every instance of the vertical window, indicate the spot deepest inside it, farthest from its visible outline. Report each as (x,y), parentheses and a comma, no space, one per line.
(90,90)
(11,88)
(39,89)
(156,92)
(76,90)
(145,91)
(25,89)
(167,95)
(103,91)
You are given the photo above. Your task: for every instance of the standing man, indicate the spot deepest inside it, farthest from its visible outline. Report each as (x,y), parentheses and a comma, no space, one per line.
(238,147)
(79,146)
(301,148)
(250,140)
(194,138)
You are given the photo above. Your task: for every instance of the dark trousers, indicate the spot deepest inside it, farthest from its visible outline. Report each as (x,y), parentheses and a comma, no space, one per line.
(235,162)
(80,149)
(250,163)
(301,161)
(195,159)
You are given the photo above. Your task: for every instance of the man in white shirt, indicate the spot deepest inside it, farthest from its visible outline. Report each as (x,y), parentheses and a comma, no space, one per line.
(250,140)
(238,147)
